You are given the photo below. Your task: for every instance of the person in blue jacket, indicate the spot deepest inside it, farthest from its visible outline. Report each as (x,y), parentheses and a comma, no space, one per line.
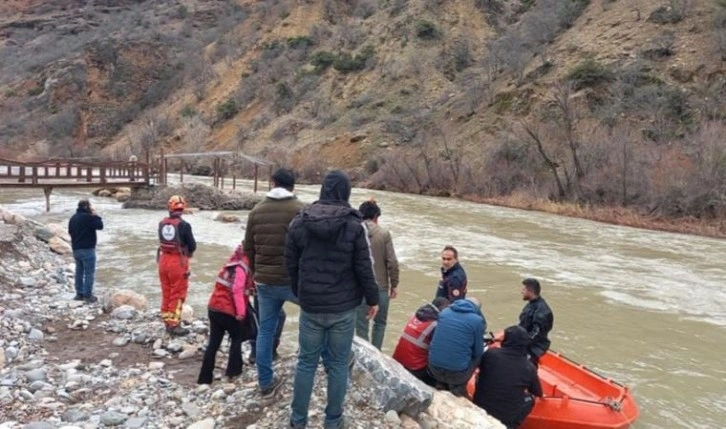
(457,345)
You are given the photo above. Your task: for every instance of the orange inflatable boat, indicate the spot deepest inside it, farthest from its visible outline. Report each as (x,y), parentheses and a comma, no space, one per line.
(576,397)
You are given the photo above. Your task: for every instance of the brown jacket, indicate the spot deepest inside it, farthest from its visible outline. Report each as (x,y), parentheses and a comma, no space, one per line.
(267,226)
(384,256)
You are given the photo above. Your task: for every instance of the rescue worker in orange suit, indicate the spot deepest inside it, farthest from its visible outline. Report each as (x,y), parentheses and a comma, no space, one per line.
(176,247)
(412,350)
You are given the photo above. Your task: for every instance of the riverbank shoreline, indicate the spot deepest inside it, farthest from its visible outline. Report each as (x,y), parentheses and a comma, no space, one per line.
(70,365)
(620,216)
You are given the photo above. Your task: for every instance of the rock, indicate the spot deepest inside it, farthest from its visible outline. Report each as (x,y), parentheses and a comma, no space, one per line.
(39,425)
(227,218)
(453,412)
(27,282)
(394,388)
(59,231)
(35,335)
(187,313)
(160,353)
(114,299)
(60,246)
(38,374)
(204,197)
(175,346)
(104,193)
(38,385)
(392,417)
(106,362)
(124,312)
(191,410)
(11,353)
(73,416)
(186,354)
(409,423)
(203,424)
(120,341)
(136,423)
(43,233)
(219,395)
(113,418)
(12,218)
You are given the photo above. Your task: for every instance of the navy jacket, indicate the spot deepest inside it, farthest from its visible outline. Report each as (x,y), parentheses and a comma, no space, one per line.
(327,253)
(458,338)
(82,228)
(453,283)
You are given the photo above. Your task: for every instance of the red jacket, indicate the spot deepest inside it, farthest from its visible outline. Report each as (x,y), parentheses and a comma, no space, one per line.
(233,282)
(412,350)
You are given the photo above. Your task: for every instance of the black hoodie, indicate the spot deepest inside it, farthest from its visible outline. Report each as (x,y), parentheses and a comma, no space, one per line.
(327,253)
(506,376)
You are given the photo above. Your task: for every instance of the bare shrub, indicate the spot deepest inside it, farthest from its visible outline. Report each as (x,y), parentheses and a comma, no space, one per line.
(147,131)
(365,9)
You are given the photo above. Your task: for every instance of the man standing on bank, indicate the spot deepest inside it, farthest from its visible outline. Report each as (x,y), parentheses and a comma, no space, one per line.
(176,247)
(82,228)
(329,261)
(264,244)
(452,285)
(385,266)
(536,318)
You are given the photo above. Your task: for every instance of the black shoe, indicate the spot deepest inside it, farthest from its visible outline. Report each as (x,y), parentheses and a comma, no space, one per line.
(272,388)
(78,297)
(177,331)
(90,299)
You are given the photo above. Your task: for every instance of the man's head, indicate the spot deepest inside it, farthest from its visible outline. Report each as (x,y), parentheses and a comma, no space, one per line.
(284,178)
(176,204)
(336,187)
(449,257)
(440,303)
(84,205)
(516,337)
(530,289)
(370,210)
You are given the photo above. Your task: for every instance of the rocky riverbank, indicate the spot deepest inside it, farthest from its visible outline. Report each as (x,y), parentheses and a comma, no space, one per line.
(65,364)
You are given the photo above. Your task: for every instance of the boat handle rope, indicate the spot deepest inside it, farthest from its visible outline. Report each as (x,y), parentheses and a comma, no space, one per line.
(608,402)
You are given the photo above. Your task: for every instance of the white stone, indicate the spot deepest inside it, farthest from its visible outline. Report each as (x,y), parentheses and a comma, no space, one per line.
(203,424)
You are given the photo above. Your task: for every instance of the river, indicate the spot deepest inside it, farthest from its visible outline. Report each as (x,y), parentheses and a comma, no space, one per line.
(646,308)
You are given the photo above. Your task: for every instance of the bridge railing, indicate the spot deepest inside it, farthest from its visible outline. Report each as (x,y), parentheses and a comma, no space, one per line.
(52,171)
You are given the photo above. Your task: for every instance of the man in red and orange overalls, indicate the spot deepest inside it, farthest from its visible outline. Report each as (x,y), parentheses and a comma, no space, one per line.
(176,246)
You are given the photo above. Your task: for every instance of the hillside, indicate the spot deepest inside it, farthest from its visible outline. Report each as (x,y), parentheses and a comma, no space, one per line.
(597,102)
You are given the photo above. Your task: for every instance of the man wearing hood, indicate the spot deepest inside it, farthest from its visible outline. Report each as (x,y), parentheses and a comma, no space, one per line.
(327,256)
(457,345)
(508,381)
(264,244)
(385,266)
(412,350)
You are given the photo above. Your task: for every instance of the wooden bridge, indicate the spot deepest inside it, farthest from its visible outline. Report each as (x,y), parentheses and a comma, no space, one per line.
(64,173)
(73,173)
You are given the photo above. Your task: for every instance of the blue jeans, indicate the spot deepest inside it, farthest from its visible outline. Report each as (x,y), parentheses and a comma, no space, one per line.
(379,322)
(271,298)
(85,271)
(333,334)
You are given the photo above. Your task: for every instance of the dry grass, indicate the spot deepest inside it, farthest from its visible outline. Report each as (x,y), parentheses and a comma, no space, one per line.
(612,215)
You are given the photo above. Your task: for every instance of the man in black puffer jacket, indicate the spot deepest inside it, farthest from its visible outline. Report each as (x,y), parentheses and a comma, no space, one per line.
(328,258)
(508,381)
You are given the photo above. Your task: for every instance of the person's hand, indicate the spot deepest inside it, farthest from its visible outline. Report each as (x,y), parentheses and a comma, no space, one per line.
(93,211)
(239,317)
(393,293)
(372,311)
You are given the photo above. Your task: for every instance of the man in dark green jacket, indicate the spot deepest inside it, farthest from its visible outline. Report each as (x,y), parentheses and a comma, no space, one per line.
(267,226)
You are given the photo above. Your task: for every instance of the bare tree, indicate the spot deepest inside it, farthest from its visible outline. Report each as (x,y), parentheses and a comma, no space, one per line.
(566,118)
(534,136)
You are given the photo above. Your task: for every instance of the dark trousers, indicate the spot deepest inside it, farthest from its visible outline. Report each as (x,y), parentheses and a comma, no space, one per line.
(524,410)
(425,376)
(219,323)
(453,381)
(278,331)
